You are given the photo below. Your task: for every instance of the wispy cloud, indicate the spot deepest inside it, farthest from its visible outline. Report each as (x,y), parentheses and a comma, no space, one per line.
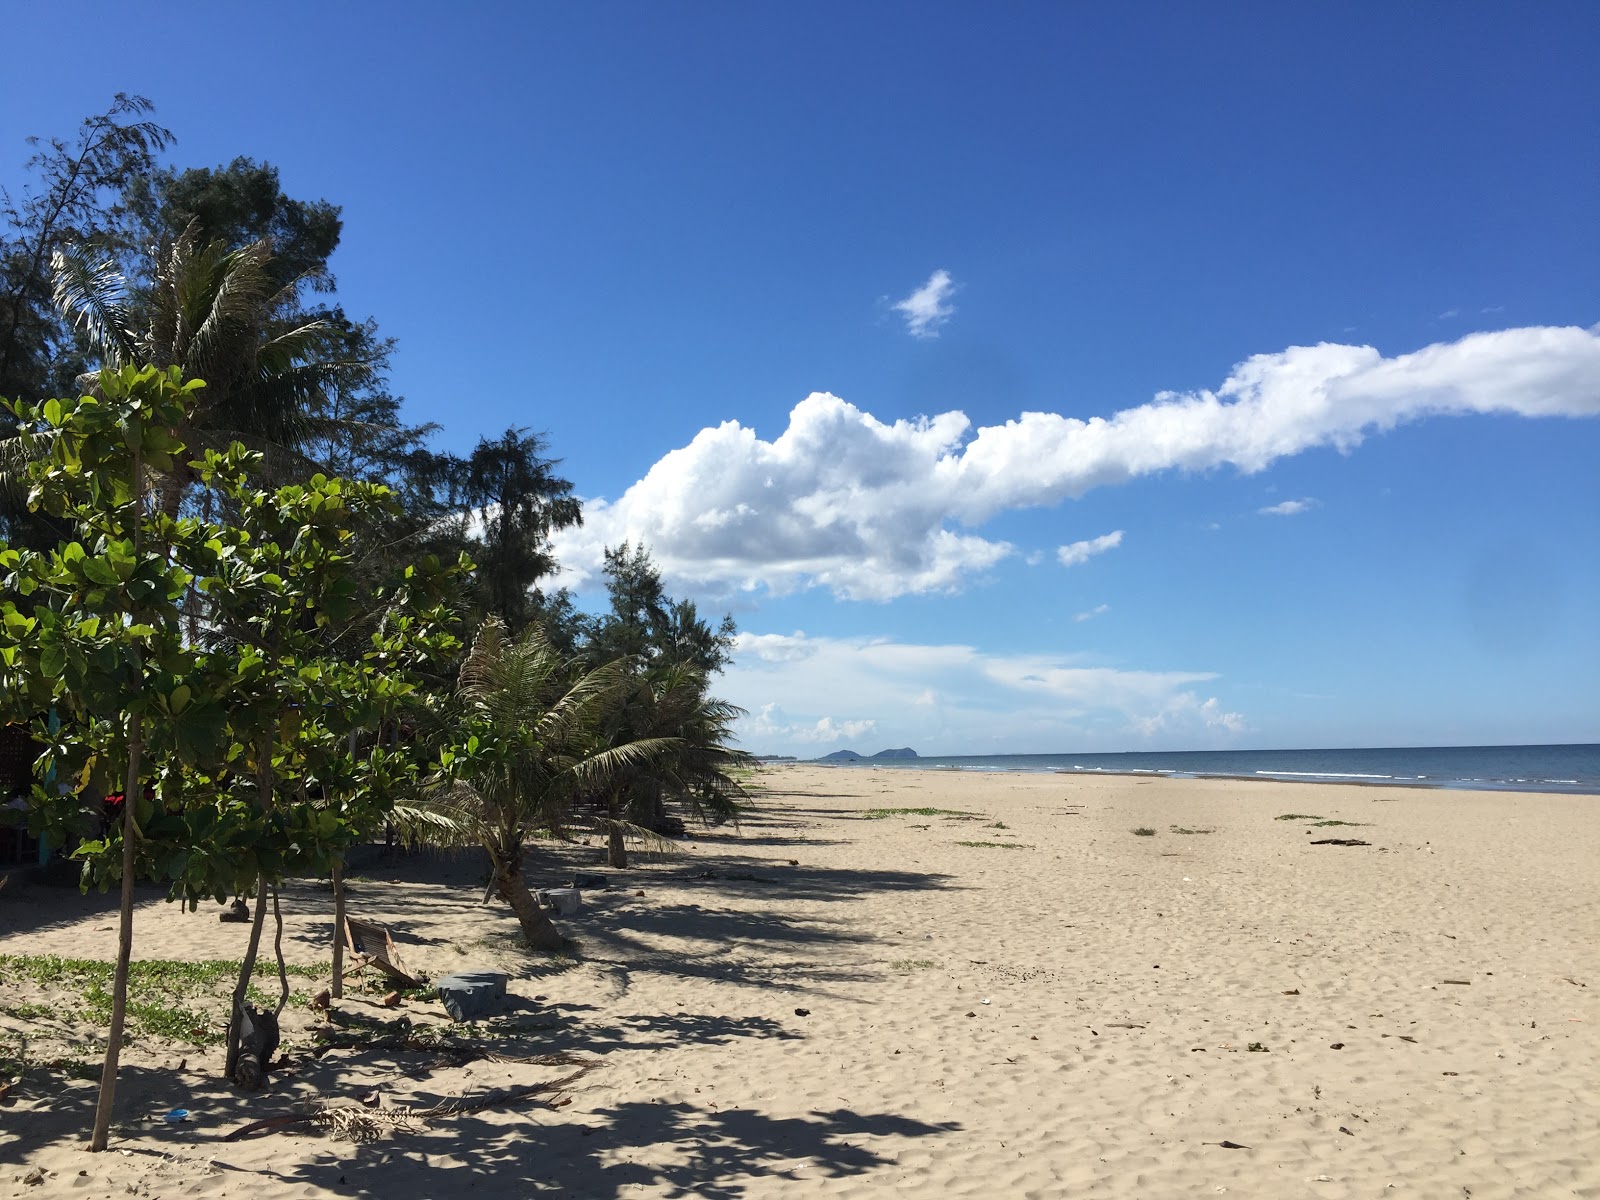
(929,307)
(1448,314)
(874,510)
(1099,610)
(1288,508)
(1082,552)
(957,698)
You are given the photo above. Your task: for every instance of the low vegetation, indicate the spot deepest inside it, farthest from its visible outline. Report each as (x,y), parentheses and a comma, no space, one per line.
(878,814)
(996,845)
(1144,831)
(1299,817)
(1181,829)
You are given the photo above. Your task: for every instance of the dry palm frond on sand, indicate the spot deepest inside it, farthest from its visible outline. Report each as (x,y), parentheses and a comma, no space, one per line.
(359,1123)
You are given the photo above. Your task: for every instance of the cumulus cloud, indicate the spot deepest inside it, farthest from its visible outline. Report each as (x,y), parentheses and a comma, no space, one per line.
(958,697)
(1099,610)
(929,307)
(1288,508)
(770,725)
(1082,552)
(873,510)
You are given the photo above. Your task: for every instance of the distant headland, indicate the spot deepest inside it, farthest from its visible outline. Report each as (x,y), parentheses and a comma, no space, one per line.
(851,756)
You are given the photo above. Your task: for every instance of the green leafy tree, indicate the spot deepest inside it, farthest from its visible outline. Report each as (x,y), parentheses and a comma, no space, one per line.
(232,752)
(77,200)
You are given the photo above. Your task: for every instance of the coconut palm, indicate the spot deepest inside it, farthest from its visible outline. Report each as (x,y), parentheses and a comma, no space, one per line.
(696,771)
(222,316)
(528,747)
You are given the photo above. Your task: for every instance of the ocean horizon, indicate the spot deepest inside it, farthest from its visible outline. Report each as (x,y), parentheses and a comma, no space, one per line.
(1567,768)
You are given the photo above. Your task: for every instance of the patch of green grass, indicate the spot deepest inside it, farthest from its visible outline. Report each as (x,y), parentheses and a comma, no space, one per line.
(178,1001)
(997,825)
(913,964)
(997,845)
(878,814)
(1299,817)
(1144,831)
(1323,824)
(29,1012)
(1181,829)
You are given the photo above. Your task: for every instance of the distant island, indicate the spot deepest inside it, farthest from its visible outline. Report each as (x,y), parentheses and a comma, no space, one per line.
(839,756)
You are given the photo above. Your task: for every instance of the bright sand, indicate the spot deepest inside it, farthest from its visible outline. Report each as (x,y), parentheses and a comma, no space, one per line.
(1071,1016)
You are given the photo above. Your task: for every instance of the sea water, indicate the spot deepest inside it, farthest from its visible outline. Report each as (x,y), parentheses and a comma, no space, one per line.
(1574,768)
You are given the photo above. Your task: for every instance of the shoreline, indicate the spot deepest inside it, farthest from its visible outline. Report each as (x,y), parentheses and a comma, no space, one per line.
(961,983)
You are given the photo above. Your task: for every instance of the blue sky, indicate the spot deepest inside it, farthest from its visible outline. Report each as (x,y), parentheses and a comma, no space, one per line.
(1326,275)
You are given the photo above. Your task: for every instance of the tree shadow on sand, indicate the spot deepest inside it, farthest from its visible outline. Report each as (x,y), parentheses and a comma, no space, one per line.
(670,1149)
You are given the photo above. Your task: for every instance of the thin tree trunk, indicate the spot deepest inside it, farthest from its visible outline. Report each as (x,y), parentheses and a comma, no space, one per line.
(538,930)
(277,951)
(119,986)
(246,970)
(336,989)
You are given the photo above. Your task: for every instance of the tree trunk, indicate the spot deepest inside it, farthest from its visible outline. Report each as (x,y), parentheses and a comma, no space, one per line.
(616,847)
(246,970)
(119,986)
(538,930)
(336,989)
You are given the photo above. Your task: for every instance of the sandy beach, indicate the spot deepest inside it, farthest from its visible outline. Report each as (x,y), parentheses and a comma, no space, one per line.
(1016,997)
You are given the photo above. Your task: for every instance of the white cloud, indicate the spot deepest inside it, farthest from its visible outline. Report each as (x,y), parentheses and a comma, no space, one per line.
(769,727)
(872,510)
(1288,508)
(1449,314)
(958,699)
(1099,610)
(929,307)
(1082,552)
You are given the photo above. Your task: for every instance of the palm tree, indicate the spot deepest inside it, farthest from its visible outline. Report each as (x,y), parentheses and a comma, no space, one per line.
(528,747)
(222,316)
(697,770)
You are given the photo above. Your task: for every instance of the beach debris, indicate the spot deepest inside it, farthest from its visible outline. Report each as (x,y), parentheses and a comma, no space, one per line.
(34,1177)
(1339,842)
(468,995)
(1121,1025)
(802,1012)
(1226,1145)
(1292,992)
(1258,1048)
(561,901)
(391,1000)
(237,913)
(973,1014)
(582,880)
(1335,1045)
(258,1040)
(1458,982)
(358,1124)
(985,1000)
(1451,1072)
(1343,1129)
(371,945)
(176,1116)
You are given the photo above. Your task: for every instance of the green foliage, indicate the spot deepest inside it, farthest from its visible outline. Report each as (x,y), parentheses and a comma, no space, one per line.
(1182,829)
(1144,831)
(247,731)
(1325,824)
(1298,817)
